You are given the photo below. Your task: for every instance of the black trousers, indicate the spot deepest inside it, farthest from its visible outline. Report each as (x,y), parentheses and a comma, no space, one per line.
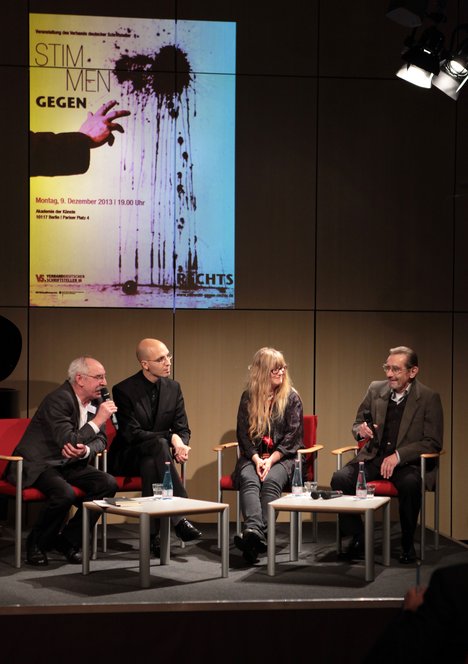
(148,460)
(407,480)
(55,483)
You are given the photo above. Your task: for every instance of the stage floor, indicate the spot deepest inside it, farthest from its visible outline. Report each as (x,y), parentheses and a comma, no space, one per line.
(193,580)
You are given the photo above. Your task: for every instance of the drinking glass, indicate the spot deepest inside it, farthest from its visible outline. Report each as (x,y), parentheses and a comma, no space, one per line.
(157,491)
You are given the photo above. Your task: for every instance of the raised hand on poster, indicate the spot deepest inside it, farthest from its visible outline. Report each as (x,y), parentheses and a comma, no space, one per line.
(100,125)
(68,153)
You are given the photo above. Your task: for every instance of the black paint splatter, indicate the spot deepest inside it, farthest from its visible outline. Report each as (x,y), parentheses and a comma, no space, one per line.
(165,78)
(146,75)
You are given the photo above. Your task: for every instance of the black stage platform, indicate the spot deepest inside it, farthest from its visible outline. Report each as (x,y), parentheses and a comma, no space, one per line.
(318,607)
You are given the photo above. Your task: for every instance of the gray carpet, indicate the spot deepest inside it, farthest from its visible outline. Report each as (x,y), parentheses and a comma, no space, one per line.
(194,574)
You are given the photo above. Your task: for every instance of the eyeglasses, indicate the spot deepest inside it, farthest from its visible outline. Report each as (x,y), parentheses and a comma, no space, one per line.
(160,360)
(278,370)
(394,369)
(99,377)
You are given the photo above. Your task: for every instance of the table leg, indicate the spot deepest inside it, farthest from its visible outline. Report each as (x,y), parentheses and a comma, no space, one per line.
(386,534)
(225,542)
(369,544)
(294,536)
(271,541)
(165,536)
(144,550)
(85,542)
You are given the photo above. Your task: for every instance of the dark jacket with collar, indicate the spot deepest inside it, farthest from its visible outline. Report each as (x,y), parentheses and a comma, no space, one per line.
(55,423)
(137,424)
(421,427)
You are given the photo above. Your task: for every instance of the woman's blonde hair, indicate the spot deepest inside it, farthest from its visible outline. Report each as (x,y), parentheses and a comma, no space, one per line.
(265,406)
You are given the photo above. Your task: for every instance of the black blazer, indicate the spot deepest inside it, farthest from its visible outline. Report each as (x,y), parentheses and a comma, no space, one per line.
(58,154)
(436,631)
(55,423)
(421,428)
(135,418)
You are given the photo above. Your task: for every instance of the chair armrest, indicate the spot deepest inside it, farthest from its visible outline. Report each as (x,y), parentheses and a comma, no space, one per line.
(102,458)
(5,457)
(219,449)
(342,450)
(432,455)
(224,446)
(310,450)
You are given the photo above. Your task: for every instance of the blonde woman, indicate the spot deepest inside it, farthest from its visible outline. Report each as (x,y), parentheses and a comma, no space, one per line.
(269,433)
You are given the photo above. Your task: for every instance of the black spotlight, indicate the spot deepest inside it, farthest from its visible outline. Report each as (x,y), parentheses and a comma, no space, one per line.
(422,58)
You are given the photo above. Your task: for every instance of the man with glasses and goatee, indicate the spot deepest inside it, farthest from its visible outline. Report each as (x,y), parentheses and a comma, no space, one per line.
(400,418)
(153,430)
(58,448)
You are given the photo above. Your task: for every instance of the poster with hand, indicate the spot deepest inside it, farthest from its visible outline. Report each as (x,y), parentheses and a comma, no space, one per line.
(132,155)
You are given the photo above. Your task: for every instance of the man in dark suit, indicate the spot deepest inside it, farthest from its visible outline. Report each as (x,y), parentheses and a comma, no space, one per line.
(407,421)
(432,625)
(153,429)
(58,448)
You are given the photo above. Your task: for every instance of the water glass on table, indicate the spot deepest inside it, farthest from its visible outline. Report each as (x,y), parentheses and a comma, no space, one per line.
(370,490)
(309,487)
(157,491)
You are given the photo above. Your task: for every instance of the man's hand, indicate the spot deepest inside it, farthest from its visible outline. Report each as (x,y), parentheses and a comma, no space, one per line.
(414,598)
(364,431)
(70,451)
(388,465)
(181,450)
(99,126)
(105,410)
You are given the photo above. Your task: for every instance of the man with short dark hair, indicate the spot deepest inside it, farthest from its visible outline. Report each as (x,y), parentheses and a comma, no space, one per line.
(153,429)
(58,447)
(408,421)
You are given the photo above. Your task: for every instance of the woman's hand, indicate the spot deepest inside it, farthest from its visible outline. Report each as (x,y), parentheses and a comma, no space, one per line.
(267,464)
(258,461)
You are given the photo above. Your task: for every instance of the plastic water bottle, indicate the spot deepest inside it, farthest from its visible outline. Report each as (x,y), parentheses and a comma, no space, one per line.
(361,484)
(296,484)
(168,490)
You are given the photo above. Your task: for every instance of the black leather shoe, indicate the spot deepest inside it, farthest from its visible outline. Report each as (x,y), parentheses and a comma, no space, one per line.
(36,557)
(408,556)
(71,552)
(155,546)
(355,549)
(254,541)
(251,544)
(249,553)
(186,531)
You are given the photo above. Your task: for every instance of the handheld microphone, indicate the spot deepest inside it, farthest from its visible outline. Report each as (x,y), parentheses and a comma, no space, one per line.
(367,415)
(368,419)
(106,397)
(325,495)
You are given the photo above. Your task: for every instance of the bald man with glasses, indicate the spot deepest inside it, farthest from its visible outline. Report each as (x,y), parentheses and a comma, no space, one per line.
(153,429)
(407,421)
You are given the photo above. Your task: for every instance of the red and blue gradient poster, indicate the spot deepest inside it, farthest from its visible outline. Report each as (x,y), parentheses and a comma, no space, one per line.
(147,219)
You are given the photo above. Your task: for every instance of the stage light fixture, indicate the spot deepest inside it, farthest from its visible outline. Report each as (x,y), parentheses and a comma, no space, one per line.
(409,13)
(415,75)
(454,68)
(452,77)
(422,58)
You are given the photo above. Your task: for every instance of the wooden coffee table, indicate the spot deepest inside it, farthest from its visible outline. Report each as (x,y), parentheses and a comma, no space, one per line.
(341,505)
(148,508)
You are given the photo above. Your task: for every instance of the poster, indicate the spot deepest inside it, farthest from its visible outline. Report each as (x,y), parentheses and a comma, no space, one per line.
(151,220)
